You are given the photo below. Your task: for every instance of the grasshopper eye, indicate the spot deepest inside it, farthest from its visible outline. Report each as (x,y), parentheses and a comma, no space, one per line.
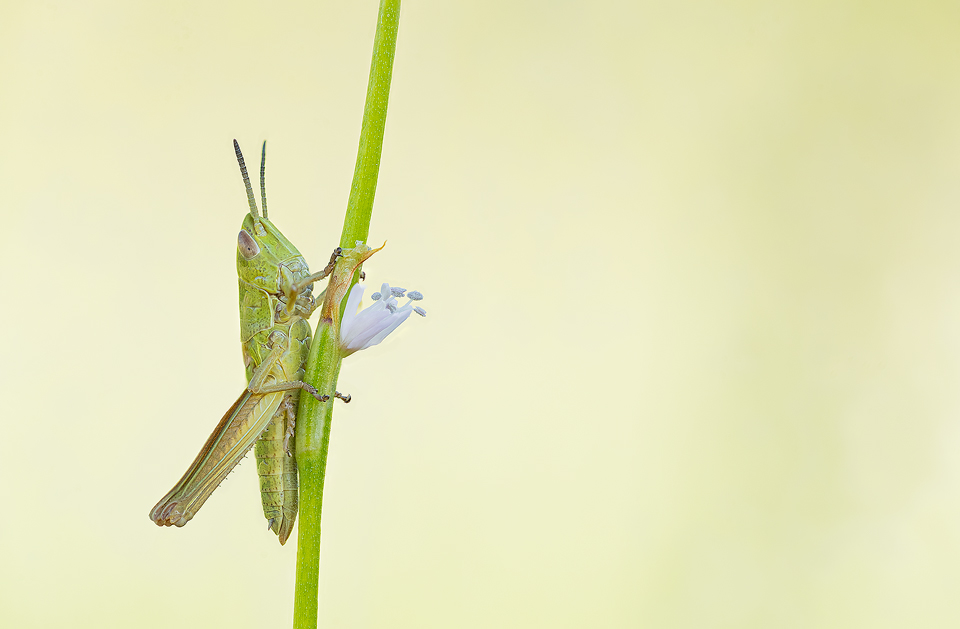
(247,245)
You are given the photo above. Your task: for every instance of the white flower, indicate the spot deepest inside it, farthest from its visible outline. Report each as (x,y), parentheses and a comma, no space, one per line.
(360,330)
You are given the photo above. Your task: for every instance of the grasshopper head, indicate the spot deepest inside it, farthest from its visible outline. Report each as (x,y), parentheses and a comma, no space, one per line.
(265,258)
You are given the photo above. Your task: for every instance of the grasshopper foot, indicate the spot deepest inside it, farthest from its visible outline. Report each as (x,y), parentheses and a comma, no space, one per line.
(316,394)
(346,398)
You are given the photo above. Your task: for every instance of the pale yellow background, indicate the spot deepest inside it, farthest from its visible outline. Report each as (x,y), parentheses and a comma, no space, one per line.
(693,279)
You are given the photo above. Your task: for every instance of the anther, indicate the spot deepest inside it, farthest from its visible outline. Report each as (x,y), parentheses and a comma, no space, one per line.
(415,295)
(420,311)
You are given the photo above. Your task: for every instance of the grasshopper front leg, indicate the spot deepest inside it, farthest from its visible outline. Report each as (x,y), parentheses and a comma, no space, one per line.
(293,291)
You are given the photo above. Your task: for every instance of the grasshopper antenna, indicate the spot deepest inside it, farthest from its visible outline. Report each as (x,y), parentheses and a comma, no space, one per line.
(246,181)
(263,185)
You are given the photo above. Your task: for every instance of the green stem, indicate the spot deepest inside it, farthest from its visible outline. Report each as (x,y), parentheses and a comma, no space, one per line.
(356,224)
(323,366)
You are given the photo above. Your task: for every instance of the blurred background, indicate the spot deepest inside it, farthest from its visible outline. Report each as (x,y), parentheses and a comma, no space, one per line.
(693,342)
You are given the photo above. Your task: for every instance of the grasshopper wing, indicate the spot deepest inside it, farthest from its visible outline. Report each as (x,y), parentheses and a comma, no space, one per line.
(236,433)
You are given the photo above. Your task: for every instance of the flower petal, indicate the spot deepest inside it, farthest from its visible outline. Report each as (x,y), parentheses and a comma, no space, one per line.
(353,304)
(360,330)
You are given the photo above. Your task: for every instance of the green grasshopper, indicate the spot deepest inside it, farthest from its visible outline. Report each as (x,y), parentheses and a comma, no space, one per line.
(275,302)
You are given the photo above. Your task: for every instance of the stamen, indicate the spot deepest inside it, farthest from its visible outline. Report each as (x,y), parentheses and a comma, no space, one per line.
(420,311)
(376,296)
(391,306)
(415,295)
(397,292)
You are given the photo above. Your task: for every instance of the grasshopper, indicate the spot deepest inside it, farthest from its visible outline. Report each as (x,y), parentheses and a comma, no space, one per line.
(275,302)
